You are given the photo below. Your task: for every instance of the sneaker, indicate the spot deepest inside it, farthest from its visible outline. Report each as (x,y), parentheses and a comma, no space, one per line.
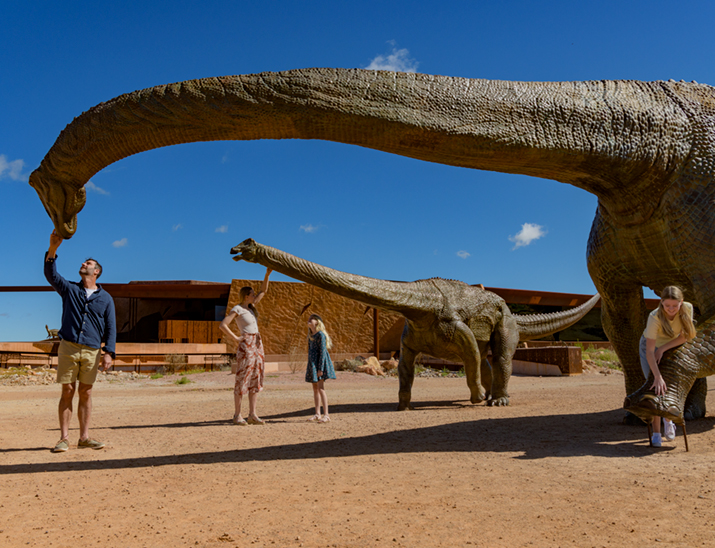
(656,440)
(668,430)
(61,447)
(90,443)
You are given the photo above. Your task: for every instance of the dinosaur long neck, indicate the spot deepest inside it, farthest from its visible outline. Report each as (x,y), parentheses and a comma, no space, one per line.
(610,138)
(397,296)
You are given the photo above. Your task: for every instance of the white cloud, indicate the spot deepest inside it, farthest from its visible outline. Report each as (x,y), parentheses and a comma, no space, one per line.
(90,186)
(308,228)
(177,227)
(398,61)
(463,254)
(120,243)
(528,233)
(222,229)
(11,170)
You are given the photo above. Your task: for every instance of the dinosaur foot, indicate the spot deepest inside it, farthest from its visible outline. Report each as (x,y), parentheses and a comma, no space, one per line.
(405,406)
(650,406)
(693,412)
(498,402)
(478,396)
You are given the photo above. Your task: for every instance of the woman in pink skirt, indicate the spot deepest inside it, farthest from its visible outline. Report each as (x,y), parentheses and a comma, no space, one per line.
(249,356)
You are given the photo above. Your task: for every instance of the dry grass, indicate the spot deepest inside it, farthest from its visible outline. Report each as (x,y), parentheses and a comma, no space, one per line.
(602,357)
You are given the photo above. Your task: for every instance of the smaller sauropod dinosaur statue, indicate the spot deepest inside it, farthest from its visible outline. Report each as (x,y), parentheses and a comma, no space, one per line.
(447,319)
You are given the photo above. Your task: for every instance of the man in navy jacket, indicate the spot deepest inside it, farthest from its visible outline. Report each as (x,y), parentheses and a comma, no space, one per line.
(88,320)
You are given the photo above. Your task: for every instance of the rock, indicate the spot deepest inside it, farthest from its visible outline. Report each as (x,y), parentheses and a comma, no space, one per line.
(371,370)
(372,361)
(389,365)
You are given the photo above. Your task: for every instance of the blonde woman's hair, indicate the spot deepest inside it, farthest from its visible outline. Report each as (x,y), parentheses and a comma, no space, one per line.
(674,293)
(321,327)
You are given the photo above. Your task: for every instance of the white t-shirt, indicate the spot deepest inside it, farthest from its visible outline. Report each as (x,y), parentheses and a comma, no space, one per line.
(89,291)
(245,319)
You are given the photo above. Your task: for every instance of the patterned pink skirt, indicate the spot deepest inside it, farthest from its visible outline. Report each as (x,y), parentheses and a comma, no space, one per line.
(249,365)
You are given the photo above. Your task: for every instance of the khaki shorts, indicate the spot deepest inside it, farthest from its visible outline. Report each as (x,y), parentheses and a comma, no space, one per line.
(76,361)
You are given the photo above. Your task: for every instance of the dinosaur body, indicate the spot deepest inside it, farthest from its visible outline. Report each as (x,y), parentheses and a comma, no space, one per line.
(446,319)
(645,149)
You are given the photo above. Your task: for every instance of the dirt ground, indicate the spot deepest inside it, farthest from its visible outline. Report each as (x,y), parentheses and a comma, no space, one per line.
(555,468)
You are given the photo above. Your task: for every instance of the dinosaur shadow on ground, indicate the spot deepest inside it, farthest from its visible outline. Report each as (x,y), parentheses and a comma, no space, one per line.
(531,438)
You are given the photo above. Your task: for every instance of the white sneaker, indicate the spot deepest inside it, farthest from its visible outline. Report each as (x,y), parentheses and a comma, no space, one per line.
(668,430)
(656,440)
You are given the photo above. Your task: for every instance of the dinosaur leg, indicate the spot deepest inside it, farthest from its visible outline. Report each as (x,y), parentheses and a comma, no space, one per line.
(504,342)
(623,316)
(486,369)
(406,373)
(695,402)
(469,351)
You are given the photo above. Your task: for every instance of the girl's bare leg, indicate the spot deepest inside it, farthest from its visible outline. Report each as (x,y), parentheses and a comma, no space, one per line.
(316,398)
(323,397)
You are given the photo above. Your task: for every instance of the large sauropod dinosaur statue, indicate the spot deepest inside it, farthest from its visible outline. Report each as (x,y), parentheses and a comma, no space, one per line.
(645,149)
(446,319)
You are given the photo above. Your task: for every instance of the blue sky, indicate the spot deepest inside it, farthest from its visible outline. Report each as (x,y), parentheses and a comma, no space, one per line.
(174,213)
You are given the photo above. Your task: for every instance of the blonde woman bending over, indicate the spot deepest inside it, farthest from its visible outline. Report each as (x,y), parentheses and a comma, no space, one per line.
(320,366)
(669,325)
(249,354)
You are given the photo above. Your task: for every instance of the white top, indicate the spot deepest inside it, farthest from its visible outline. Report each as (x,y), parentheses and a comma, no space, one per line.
(245,319)
(89,291)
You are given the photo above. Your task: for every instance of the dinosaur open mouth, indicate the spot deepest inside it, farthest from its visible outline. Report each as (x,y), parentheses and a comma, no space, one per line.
(244,247)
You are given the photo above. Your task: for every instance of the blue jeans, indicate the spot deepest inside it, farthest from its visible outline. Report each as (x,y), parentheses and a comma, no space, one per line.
(644,361)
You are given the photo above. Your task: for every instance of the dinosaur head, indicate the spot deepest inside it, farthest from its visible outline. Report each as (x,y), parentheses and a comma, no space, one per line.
(246,251)
(62,201)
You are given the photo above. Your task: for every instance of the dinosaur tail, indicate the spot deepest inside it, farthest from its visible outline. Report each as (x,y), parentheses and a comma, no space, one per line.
(535,326)
(681,366)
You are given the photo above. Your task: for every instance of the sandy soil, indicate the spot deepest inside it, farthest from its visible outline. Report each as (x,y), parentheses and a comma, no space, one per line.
(556,468)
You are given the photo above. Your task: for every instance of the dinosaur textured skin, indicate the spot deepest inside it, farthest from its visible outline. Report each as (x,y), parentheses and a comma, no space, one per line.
(645,149)
(446,319)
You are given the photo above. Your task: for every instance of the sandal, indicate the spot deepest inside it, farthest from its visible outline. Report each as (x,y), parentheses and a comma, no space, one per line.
(255,420)
(324,419)
(240,421)
(314,418)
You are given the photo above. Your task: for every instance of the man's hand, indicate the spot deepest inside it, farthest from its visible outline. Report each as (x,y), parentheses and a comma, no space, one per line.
(106,361)
(55,241)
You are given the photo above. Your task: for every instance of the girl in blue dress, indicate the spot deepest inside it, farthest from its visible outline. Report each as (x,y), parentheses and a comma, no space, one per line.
(320,366)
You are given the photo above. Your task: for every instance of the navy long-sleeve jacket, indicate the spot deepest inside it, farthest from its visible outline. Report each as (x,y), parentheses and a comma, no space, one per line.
(87,321)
